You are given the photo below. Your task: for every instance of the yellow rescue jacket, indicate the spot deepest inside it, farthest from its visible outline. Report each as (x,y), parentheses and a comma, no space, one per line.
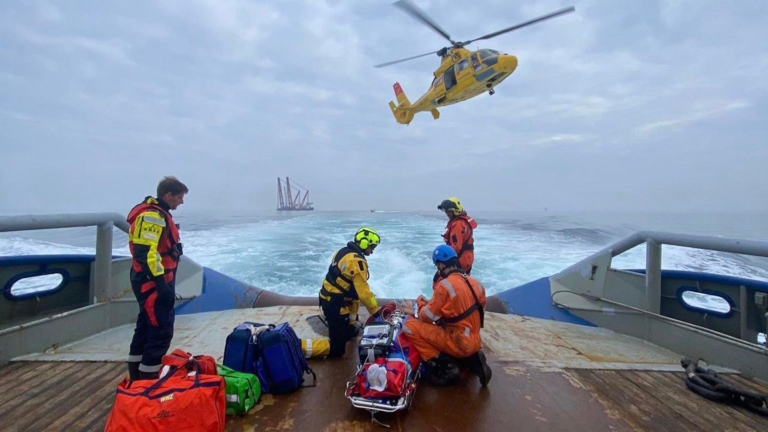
(347,278)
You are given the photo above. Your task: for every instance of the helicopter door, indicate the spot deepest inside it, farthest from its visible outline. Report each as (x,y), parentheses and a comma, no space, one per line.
(462,70)
(438,90)
(438,86)
(450,79)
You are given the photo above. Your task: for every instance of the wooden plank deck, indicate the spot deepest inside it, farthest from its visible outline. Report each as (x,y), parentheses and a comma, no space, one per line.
(548,376)
(77,396)
(660,401)
(51,396)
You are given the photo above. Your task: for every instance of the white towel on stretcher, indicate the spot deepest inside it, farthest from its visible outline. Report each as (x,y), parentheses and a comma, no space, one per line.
(377,377)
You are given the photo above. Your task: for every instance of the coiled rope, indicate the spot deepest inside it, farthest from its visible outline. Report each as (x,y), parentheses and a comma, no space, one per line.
(706,383)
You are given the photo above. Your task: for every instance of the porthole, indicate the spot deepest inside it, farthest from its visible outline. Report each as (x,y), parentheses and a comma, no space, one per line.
(34,285)
(705,301)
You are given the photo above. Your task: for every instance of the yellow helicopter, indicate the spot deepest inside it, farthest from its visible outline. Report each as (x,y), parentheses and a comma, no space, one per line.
(463,74)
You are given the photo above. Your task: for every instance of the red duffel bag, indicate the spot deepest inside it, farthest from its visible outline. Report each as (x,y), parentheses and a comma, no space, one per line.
(184,362)
(175,402)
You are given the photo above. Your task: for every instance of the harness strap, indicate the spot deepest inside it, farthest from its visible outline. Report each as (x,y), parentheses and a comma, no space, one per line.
(334,272)
(331,278)
(327,293)
(471,309)
(466,246)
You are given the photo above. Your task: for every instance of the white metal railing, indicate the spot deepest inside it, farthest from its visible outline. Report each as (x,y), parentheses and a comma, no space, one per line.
(104,222)
(654,240)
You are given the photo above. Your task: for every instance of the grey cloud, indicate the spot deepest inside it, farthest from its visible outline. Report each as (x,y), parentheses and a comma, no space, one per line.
(656,105)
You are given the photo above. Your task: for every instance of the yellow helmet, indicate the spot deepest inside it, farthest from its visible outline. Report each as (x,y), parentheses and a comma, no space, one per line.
(451,204)
(367,237)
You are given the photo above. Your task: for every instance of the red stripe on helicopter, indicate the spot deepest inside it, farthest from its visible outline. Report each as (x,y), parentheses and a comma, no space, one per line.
(398,89)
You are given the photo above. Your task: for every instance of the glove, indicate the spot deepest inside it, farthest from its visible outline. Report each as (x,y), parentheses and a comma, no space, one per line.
(165,295)
(382,314)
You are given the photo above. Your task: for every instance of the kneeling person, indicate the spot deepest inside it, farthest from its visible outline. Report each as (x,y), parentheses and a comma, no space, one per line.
(450,322)
(345,286)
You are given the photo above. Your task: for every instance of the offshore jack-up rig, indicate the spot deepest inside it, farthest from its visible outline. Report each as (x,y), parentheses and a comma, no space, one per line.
(286,199)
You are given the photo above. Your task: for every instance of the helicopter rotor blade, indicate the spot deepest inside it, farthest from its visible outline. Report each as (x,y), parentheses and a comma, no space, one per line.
(405,59)
(521,25)
(417,13)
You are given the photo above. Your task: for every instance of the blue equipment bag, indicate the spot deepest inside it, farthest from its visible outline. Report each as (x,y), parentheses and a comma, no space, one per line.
(280,363)
(241,350)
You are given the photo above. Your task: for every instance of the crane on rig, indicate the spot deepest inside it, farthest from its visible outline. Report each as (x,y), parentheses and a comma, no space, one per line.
(286,199)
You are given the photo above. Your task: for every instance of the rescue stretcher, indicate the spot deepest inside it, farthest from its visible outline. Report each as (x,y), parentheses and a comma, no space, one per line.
(389,368)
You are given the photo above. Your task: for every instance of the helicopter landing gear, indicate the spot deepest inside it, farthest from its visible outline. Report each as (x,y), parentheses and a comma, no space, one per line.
(491,92)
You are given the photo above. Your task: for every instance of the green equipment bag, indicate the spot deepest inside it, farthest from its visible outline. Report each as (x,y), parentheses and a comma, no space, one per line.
(243,389)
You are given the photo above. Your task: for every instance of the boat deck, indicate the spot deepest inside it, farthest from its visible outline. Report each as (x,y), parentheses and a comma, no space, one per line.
(547,376)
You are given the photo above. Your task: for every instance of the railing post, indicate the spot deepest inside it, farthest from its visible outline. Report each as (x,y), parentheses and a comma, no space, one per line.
(653,275)
(744,313)
(103,267)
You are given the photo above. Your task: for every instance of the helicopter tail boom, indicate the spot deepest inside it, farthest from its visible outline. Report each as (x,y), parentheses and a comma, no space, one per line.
(402,115)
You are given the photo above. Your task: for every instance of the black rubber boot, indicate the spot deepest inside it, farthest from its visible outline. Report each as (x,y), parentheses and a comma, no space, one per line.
(442,373)
(149,375)
(479,367)
(133,370)
(354,329)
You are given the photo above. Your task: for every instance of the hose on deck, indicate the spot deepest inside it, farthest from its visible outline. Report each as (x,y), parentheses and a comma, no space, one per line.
(706,383)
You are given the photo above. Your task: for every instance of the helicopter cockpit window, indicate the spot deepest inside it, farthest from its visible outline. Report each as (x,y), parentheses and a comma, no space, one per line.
(485,53)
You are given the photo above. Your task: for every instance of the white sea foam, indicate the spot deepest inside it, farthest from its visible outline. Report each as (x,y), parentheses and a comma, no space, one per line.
(291,255)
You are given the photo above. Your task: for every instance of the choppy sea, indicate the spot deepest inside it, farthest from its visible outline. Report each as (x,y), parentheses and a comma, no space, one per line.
(289,253)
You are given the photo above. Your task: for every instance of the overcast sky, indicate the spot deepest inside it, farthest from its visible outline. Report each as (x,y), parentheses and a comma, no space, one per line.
(623,105)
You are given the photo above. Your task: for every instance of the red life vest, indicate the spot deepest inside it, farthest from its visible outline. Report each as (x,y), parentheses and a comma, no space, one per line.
(466,253)
(169,246)
(453,227)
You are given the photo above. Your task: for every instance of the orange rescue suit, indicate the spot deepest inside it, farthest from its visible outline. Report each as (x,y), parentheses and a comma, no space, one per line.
(450,322)
(458,235)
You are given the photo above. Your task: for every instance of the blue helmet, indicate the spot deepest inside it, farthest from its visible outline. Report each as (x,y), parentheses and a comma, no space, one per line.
(443,253)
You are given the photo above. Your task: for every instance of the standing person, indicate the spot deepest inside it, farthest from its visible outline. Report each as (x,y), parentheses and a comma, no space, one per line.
(345,286)
(459,232)
(153,239)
